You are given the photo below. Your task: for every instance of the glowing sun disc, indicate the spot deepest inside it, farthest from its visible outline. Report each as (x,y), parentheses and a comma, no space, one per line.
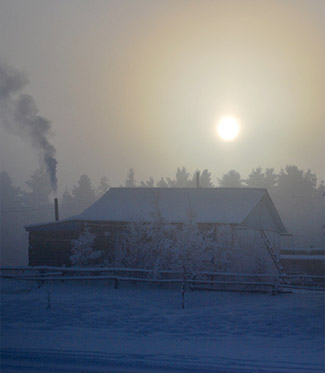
(228,128)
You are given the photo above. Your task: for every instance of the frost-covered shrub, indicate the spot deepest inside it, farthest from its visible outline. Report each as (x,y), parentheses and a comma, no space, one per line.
(160,245)
(193,250)
(146,245)
(83,252)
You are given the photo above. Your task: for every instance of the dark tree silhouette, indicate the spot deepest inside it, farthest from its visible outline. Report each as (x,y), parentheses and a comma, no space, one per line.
(130,181)
(205,179)
(148,184)
(103,186)
(259,179)
(40,188)
(182,179)
(80,198)
(162,183)
(231,179)
(84,193)
(299,203)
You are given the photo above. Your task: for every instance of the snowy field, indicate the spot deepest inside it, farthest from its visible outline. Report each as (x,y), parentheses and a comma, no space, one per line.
(92,327)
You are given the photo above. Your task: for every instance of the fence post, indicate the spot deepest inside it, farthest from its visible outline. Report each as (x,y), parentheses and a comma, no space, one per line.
(275,287)
(183,291)
(48,300)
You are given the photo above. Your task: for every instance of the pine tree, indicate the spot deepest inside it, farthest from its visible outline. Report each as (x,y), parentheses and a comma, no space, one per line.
(271,179)
(11,198)
(103,186)
(130,181)
(256,179)
(40,188)
(205,179)
(162,183)
(83,194)
(231,179)
(148,184)
(182,179)
(14,213)
(321,188)
(300,205)
(259,179)
(67,205)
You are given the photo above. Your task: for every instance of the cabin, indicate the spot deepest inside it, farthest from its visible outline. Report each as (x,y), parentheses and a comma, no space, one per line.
(249,213)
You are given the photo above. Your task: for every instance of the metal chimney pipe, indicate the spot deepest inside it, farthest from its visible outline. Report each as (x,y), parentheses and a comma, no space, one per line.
(56,209)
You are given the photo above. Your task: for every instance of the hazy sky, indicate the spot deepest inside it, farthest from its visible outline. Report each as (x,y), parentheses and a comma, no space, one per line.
(142,84)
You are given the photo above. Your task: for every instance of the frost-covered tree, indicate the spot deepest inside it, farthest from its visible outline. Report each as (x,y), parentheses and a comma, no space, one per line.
(146,245)
(159,245)
(192,252)
(193,249)
(83,252)
(132,248)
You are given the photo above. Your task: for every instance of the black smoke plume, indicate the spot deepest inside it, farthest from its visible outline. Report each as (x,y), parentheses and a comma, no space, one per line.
(19,115)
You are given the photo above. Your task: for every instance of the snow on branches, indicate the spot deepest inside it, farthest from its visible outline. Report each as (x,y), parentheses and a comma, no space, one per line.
(83,252)
(193,249)
(146,245)
(159,245)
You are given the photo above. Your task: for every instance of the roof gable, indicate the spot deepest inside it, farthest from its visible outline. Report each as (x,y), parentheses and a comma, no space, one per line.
(265,216)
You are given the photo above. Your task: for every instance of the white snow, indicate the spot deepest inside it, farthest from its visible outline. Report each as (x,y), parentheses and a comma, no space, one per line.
(223,205)
(92,327)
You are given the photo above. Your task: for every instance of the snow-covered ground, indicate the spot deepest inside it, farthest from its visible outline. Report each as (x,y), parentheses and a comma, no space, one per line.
(92,327)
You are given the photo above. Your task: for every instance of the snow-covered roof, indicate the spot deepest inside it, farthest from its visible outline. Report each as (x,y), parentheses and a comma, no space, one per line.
(204,205)
(247,207)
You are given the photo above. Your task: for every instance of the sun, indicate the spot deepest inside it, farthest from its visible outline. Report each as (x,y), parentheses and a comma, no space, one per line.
(228,128)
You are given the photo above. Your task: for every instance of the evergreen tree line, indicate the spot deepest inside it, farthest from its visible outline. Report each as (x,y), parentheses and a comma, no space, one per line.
(297,195)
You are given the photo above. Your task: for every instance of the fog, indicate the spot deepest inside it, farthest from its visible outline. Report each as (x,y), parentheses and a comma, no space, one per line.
(142,84)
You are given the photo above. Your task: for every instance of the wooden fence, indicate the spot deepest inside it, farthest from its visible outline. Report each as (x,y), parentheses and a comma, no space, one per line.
(198,281)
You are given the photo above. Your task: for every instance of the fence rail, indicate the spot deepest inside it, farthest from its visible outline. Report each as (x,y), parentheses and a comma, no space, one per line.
(201,280)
